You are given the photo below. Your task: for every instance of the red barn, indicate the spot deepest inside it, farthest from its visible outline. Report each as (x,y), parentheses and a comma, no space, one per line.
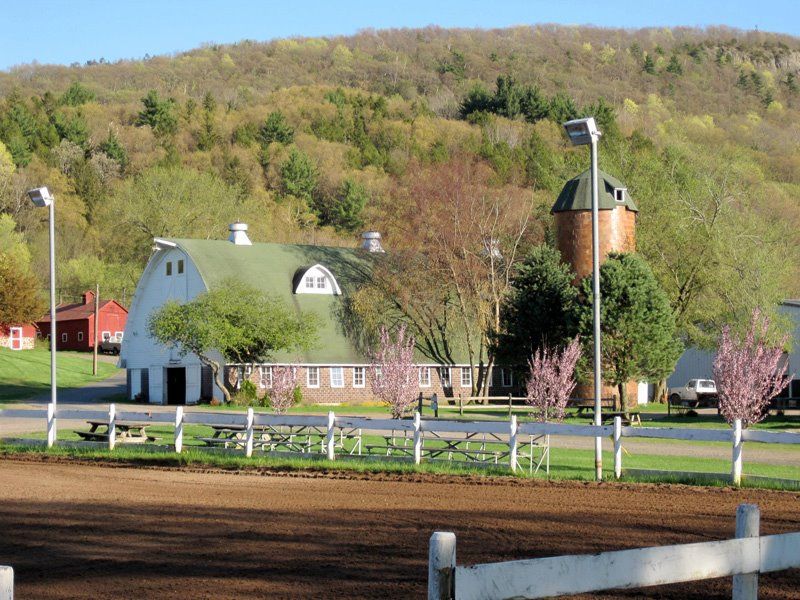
(75,323)
(17,337)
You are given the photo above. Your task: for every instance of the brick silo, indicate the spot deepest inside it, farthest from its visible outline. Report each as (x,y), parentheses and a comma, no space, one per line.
(617,232)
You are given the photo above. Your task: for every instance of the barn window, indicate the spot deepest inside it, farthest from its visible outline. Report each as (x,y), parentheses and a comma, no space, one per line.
(118,335)
(63,337)
(312,377)
(337,377)
(316,280)
(619,194)
(80,336)
(444,376)
(358,377)
(169,268)
(265,381)
(507,377)
(424,377)
(180,267)
(466,377)
(105,336)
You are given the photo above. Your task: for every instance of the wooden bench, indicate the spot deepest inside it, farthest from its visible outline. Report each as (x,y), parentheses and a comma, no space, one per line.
(587,404)
(629,417)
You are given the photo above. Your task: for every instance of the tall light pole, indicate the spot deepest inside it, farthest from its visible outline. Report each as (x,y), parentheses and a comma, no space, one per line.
(41,197)
(584,132)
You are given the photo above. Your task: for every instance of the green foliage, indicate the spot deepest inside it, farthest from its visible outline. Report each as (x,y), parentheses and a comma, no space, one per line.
(344,210)
(235,319)
(297,396)
(299,175)
(76,95)
(160,115)
(246,395)
(540,308)
(276,129)
(113,148)
(649,65)
(455,63)
(674,66)
(19,293)
(637,325)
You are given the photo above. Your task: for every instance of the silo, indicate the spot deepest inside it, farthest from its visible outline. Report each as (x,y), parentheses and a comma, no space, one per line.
(617,232)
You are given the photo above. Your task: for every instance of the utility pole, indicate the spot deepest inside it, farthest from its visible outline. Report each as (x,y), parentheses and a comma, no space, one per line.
(96,325)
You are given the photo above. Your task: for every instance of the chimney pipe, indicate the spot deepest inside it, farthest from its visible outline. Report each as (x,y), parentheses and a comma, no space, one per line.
(238,234)
(371,241)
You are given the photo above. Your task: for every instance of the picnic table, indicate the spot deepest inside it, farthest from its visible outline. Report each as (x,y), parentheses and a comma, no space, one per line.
(126,432)
(300,438)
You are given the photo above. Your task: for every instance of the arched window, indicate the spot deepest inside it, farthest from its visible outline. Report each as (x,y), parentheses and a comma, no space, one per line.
(316,280)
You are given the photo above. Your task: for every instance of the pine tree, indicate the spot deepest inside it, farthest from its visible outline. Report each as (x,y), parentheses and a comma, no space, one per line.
(674,66)
(649,66)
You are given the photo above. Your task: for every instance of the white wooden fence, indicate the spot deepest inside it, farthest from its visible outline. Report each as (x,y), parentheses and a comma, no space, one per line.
(510,430)
(743,557)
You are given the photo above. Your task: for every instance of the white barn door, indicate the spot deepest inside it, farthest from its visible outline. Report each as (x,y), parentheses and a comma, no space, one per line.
(15,338)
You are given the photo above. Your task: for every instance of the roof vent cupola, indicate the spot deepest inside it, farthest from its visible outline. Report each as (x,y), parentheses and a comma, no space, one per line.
(371,241)
(238,234)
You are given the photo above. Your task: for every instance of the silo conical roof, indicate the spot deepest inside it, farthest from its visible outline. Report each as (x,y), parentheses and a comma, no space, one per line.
(577,193)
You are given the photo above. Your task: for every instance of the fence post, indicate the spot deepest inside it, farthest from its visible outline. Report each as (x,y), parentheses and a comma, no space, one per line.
(736,466)
(112,426)
(442,566)
(248,444)
(460,405)
(419,403)
(329,441)
(417,438)
(509,405)
(178,429)
(51,425)
(745,587)
(617,447)
(512,443)
(6,583)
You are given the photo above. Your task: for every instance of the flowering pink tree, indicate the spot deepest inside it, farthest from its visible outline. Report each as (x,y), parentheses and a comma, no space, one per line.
(281,394)
(393,375)
(551,380)
(749,372)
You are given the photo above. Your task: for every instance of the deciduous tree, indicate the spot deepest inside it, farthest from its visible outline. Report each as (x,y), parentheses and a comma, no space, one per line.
(551,379)
(393,374)
(281,394)
(235,321)
(749,371)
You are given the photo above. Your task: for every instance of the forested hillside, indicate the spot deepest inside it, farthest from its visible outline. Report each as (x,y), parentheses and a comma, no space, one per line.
(315,140)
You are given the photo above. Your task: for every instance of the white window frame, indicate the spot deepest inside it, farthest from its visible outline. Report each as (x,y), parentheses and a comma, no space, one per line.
(466,381)
(321,284)
(619,194)
(425,380)
(118,335)
(80,336)
(310,282)
(265,377)
(105,336)
(378,372)
(339,381)
(506,382)
(446,377)
(359,373)
(64,337)
(310,370)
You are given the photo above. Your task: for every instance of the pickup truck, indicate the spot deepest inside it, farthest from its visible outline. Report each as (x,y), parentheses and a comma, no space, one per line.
(110,346)
(697,393)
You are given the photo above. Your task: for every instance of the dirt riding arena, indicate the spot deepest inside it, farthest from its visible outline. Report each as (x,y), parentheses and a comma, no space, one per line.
(84,531)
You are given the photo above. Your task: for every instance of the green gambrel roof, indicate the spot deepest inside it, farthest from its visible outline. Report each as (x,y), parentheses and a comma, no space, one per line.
(273,269)
(577,194)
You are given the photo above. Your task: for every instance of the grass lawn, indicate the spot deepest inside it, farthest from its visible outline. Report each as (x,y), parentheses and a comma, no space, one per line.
(26,373)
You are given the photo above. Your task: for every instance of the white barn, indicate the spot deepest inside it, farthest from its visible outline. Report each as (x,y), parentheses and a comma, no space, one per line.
(698,364)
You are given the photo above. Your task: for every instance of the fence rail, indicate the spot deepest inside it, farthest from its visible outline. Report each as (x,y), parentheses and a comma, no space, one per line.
(504,432)
(742,557)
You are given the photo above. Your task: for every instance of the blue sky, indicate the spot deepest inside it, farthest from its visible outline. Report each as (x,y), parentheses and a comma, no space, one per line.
(61,31)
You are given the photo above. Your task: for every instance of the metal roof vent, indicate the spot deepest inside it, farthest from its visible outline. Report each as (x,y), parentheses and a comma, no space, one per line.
(239,234)
(371,241)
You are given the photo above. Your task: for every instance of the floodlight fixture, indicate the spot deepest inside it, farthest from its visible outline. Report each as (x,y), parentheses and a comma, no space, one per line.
(582,131)
(41,197)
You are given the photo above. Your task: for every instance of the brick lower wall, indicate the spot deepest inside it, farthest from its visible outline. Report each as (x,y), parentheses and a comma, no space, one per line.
(348,394)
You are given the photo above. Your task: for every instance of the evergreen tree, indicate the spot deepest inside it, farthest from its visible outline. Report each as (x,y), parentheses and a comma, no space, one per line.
(158,114)
(649,65)
(344,211)
(113,148)
(674,66)
(562,108)
(276,129)
(637,324)
(299,176)
(76,95)
(540,309)
(208,137)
